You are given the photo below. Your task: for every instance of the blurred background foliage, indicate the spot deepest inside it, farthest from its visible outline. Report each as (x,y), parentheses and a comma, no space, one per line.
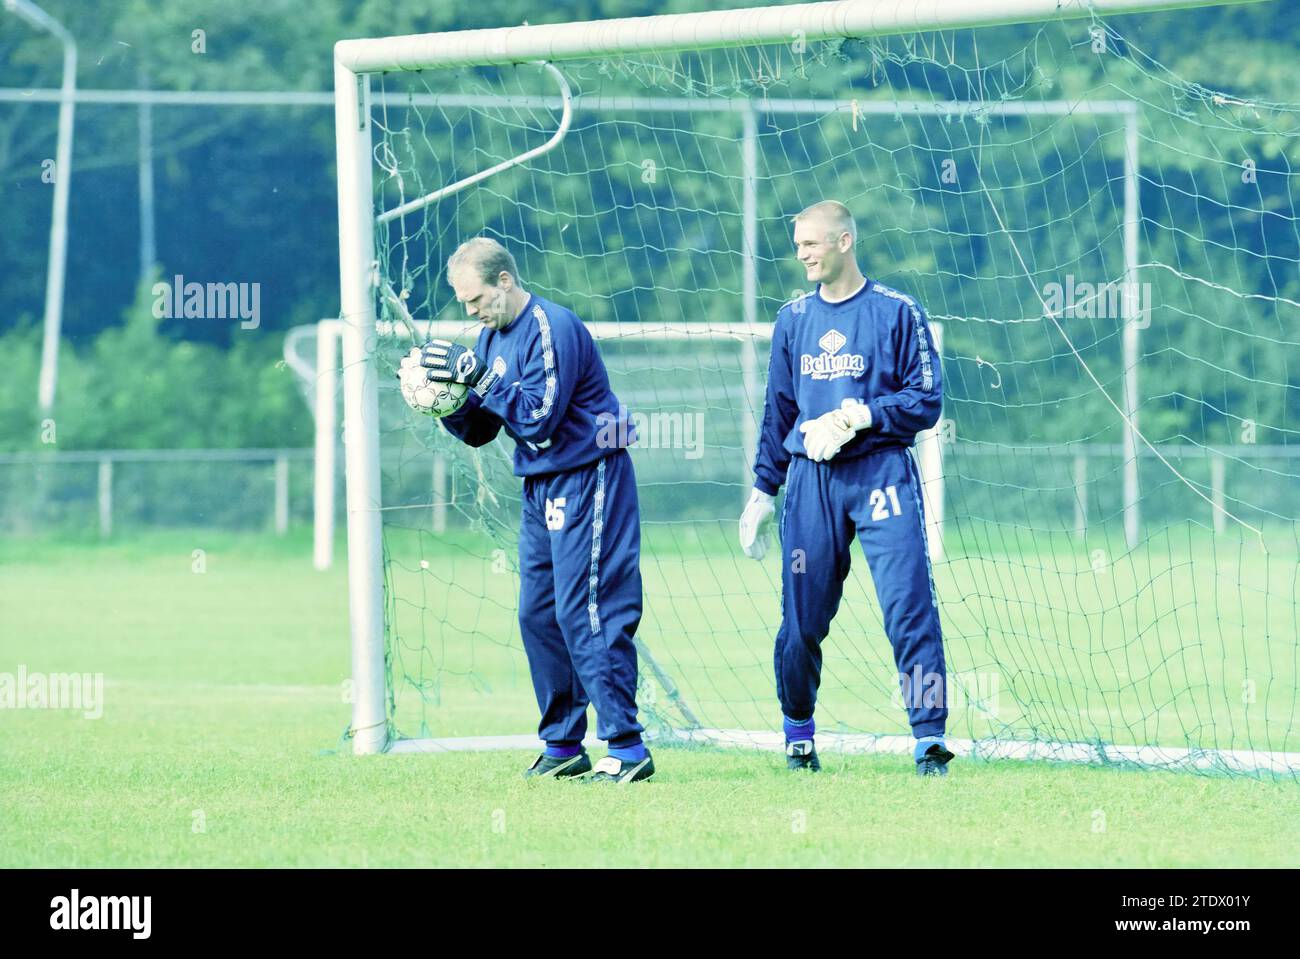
(248,195)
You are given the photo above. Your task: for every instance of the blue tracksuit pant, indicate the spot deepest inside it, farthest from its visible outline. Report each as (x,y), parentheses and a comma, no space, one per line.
(580,598)
(877,496)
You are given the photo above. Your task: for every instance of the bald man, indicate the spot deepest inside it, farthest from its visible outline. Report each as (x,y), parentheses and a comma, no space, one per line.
(535,372)
(853,378)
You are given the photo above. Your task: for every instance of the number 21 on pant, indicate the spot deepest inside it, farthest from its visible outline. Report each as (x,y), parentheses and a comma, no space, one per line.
(879,508)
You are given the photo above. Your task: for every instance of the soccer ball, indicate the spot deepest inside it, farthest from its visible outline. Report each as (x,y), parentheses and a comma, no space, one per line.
(436,399)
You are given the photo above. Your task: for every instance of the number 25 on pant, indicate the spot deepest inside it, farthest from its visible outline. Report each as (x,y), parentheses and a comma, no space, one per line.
(555,513)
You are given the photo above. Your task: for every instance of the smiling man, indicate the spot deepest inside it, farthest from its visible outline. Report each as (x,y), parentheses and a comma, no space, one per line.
(852,379)
(536,373)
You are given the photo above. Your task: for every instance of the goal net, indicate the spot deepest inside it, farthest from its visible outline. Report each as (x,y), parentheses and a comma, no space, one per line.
(1109,251)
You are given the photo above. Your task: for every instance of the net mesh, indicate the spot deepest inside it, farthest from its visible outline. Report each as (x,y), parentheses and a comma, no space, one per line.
(1106,594)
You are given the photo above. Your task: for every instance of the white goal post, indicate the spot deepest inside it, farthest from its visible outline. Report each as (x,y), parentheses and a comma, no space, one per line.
(355,60)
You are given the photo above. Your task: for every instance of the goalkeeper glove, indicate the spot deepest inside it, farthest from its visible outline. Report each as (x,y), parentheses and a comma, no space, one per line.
(826,435)
(449,362)
(756,524)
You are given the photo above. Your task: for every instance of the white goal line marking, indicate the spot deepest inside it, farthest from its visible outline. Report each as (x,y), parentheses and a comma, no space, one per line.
(1236,760)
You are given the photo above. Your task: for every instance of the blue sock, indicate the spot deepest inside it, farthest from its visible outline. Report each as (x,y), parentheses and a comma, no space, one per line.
(796,731)
(562,752)
(632,753)
(924,743)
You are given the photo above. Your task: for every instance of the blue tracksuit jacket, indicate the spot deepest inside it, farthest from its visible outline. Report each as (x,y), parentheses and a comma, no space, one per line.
(579,532)
(874,347)
(554,399)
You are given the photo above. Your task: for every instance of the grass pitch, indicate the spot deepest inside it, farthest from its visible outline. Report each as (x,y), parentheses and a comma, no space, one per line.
(225,700)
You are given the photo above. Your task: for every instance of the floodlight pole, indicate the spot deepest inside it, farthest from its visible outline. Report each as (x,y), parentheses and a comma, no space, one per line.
(148,243)
(41,20)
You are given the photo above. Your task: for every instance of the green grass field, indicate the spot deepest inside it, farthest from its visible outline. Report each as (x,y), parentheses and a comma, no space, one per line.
(224,704)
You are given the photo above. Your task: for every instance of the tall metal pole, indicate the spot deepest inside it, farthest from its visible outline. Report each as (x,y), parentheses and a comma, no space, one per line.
(41,20)
(148,251)
(360,407)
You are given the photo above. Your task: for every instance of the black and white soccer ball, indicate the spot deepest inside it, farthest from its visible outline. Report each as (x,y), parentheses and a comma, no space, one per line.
(423,396)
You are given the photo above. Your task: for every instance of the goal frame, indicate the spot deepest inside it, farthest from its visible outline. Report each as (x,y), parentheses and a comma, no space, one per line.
(356,60)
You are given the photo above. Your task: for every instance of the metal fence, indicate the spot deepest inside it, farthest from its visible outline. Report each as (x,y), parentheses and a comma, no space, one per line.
(112,491)
(1066,487)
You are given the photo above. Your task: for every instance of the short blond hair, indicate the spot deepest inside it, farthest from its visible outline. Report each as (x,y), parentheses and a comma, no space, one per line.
(487,257)
(836,214)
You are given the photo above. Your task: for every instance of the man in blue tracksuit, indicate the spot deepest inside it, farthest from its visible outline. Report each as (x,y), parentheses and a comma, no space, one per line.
(853,378)
(536,373)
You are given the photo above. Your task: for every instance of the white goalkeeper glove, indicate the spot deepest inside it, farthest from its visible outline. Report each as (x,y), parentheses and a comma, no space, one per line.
(756,524)
(826,435)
